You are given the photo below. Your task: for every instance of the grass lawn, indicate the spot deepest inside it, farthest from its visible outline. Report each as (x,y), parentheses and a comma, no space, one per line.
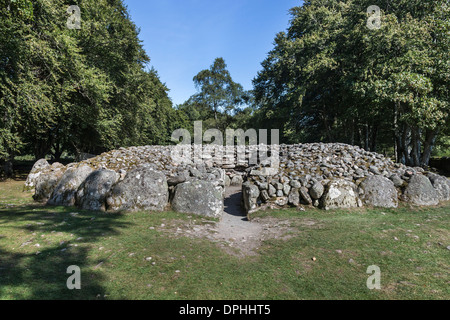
(38,244)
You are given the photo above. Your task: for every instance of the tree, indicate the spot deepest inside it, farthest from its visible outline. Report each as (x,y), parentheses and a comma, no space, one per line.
(77,90)
(331,78)
(218,94)
(13,18)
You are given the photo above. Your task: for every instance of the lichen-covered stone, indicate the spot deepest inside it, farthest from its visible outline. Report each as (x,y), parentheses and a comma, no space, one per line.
(237,180)
(340,194)
(93,191)
(308,166)
(199,197)
(143,188)
(317,191)
(36,171)
(46,182)
(250,195)
(65,191)
(442,186)
(398,182)
(379,191)
(294,197)
(305,196)
(421,192)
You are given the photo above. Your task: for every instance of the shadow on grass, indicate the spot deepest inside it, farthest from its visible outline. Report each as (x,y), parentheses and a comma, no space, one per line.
(43,275)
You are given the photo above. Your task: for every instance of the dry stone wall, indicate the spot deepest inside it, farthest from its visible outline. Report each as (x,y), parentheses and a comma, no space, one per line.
(319,175)
(330,176)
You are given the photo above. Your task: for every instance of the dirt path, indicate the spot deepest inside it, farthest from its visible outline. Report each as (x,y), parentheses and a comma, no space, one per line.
(234,228)
(234,233)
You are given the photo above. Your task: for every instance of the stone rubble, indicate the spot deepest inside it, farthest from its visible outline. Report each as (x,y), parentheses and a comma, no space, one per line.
(320,175)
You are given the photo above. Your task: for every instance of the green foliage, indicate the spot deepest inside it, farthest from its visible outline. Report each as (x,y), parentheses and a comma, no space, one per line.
(76,90)
(219,99)
(331,78)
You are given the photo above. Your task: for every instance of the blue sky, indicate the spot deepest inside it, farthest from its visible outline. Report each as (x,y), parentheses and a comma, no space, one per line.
(183,37)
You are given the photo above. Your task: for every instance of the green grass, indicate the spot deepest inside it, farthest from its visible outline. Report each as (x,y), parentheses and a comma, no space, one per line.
(111,251)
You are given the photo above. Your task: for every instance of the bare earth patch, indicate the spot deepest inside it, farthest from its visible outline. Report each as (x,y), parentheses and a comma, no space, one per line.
(234,233)
(236,237)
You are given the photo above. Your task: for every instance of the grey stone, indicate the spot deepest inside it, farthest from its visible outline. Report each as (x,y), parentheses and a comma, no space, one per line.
(305,180)
(143,189)
(272,191)
(45,183)
(265,196)
(237,180)
(262,185)
(374,170)
(286,189)
(421,192)
(340,194)
(379,191)
(317,191)
(65,191)
(294,197)
(173,181)
(227,181)
(281,201)
(398,182)
(442,186)
(250,194)
(195,173)
(295,184)
(93,191)
(305,195)
(38,168)
(199,197)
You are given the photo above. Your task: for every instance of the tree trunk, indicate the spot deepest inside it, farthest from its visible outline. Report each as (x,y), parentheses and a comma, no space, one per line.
(430,141)
(58,152)
(352,133)
(405,144)
(7,166)
(373,144)
(415,152)
(366,138)
(327,127)
(397,138)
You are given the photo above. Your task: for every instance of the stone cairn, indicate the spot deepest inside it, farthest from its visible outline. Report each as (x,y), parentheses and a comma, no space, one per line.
(326,176)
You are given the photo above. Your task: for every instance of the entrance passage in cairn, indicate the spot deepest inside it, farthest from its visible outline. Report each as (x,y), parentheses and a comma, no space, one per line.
(235,227)
(233,204)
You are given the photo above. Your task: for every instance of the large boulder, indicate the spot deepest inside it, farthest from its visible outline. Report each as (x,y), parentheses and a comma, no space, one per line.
(143,189)
(340,194)
(378,191)
(64,193)
(199,197)
(317,190)
(250,195)
(305,196)
(421,192)
(38,168)
(294,197)
(93,191)
(442,186)
(46,181)
(237,181)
